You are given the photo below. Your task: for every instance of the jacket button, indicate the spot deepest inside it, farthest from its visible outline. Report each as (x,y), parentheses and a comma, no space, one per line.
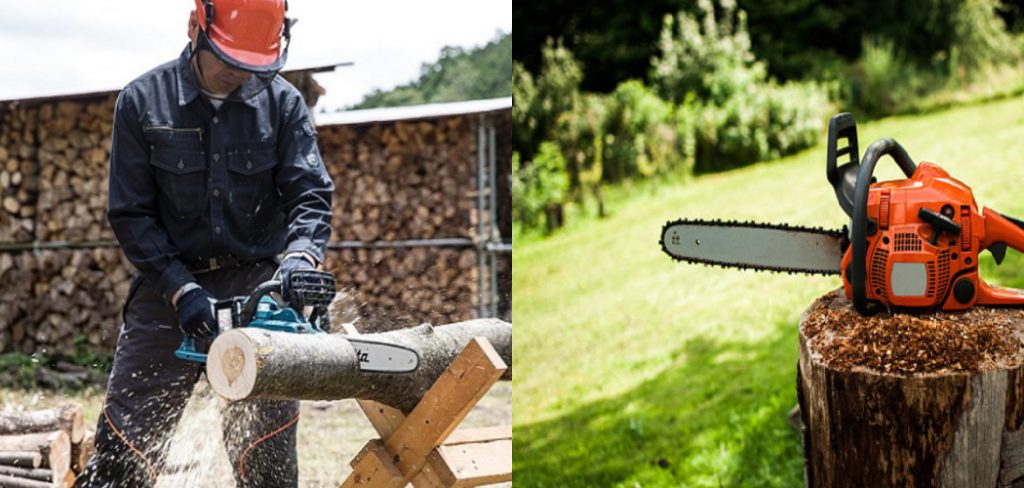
(248,165)
(216,192)
(217,229)
(181,164)
(216,120)
(216,157)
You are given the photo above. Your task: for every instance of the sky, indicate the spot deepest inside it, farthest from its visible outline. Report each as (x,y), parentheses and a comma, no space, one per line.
(68,46)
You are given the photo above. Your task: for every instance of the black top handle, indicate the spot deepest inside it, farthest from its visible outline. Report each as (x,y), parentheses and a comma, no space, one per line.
(859,224)
(843,178)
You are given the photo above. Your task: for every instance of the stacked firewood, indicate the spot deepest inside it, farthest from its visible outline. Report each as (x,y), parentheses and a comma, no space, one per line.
(79,293)
(54,298)
(402,180)
(397,288)
(74,152)
(43,448)
(18,173)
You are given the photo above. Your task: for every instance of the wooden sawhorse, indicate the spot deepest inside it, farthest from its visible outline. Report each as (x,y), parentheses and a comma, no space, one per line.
(424,448)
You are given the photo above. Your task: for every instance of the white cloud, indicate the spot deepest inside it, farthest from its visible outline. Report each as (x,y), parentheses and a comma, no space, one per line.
(68,46)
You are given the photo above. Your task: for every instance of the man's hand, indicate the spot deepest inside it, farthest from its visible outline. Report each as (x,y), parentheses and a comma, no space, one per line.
(292,262)
(195,313)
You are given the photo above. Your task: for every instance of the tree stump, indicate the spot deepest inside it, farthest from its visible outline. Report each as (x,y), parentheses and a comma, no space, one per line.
(931,399)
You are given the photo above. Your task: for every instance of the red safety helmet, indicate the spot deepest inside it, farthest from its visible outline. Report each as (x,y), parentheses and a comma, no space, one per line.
(246,34)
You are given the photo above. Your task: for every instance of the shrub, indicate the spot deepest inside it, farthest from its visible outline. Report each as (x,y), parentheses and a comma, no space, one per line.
(539,189)
(543,100)
(709,57)
(640,134)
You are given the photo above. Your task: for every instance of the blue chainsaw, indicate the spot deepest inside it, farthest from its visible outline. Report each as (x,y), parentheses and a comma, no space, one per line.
(268,307)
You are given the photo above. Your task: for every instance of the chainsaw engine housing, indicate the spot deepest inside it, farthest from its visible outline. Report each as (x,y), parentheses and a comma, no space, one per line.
(923,236)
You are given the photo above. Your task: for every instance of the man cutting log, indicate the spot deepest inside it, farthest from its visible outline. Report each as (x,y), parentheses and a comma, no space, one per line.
(214,175)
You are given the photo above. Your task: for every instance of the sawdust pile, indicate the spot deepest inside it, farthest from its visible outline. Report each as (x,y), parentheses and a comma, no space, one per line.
(977,340)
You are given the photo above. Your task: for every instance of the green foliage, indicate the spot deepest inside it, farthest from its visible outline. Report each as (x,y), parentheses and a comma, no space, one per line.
(744,117)
(458,74)
(580,136)
(539,102)
(980,38)
(524,121)
(762,124)
(539,189)
(710,57)
(640,134)
(884,81)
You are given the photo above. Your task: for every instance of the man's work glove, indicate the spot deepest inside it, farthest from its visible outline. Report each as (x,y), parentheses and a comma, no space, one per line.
(290,263)
(195,313)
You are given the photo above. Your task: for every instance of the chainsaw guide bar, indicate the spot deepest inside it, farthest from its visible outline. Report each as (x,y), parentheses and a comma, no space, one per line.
(779,248)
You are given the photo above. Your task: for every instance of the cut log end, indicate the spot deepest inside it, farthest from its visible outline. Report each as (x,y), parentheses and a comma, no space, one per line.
(231,365)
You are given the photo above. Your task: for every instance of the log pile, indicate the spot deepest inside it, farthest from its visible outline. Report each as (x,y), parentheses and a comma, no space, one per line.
(403,180)
(44,448)
(74,151)
(53,298)
(397,288)
(79,293)
(18,173)
(17,302)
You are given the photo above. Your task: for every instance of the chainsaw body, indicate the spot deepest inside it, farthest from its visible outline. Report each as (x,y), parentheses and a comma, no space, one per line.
(266,308)
(914,242)
(923,237)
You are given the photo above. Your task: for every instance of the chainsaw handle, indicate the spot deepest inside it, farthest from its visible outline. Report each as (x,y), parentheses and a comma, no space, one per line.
(859,224)
(264,289)
(842,178)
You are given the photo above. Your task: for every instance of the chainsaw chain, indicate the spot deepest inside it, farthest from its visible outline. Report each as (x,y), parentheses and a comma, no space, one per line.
(839,234)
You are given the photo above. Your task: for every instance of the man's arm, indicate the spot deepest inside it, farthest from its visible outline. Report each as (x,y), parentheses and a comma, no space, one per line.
(306,188)
(132,203)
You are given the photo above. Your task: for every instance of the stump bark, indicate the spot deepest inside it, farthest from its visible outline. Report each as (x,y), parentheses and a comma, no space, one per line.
(251,363)
(911,400)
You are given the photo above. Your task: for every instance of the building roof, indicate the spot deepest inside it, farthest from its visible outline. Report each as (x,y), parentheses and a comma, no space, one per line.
(369,116)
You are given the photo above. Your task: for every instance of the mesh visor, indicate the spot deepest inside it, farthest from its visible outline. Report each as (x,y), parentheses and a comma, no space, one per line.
(260,76)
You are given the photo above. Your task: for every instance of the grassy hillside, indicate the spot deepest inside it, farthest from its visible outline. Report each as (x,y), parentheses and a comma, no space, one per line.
(633,370)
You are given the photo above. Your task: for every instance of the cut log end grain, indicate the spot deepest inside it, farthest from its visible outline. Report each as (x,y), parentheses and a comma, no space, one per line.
(231,365)
(980,339)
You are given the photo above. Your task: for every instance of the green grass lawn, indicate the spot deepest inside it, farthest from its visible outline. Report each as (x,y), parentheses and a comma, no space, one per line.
(633,370)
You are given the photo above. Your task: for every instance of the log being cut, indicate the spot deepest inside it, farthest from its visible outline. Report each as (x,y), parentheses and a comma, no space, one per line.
(251,363)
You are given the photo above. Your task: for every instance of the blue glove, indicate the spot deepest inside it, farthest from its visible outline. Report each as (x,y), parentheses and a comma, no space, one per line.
(288,265)
(195,314)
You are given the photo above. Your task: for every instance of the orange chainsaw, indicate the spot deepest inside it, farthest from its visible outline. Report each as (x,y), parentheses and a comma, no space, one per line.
(912,244)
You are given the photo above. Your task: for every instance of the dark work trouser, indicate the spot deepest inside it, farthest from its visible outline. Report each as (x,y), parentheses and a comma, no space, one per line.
(149,388)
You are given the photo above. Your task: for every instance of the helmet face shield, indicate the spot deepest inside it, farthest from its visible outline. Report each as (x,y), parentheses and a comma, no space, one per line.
(256,82)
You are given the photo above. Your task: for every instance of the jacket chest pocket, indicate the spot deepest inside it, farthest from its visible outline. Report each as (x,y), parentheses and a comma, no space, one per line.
(180,169)
(251,173)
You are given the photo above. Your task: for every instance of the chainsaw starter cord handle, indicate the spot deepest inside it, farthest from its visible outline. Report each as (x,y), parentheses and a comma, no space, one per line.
(859,224)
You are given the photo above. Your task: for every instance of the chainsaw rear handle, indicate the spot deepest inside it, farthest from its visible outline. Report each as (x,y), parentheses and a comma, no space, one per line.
(859,224)
(1000,231)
